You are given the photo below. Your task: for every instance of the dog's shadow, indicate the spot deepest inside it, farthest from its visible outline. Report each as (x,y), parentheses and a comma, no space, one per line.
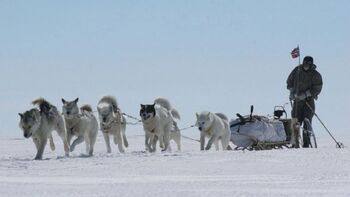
(150,154)
(84,156)
(132,153)
(74,156)
(25,159)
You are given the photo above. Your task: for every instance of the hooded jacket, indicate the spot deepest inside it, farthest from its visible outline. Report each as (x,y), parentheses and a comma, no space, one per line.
(299,81)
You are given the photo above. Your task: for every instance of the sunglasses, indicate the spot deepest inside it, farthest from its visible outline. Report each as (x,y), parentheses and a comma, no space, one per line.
(309,63)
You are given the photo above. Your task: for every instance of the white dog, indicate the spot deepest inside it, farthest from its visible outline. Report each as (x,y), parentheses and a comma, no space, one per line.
(83,125)
(216,127)
(112,122)
(158,123)
(39,125)
(175,133)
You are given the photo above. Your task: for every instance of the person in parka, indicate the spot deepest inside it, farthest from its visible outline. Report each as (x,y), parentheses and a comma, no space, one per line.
(305,84)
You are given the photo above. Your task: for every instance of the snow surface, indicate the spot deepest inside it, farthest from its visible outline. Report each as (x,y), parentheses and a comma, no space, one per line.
(289,172)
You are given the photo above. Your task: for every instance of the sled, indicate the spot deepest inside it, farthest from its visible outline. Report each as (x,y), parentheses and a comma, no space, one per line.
(289,134)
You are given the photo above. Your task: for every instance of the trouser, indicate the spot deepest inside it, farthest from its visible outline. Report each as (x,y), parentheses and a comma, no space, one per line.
(301,111)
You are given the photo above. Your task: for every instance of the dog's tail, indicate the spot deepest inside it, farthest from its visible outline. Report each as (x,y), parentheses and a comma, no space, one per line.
(175,114)
(225,119)
(110,100)
(163,102)
(166,104)
(222,116)
(86,108)
(43,105)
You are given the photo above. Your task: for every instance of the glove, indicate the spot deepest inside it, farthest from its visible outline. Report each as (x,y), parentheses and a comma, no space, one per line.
(308,94)
(303,95)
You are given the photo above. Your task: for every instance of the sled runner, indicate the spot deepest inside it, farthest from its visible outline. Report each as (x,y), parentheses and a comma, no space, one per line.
(255,132)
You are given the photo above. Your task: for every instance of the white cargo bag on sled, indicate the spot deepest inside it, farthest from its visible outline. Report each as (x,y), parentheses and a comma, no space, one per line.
(247,131)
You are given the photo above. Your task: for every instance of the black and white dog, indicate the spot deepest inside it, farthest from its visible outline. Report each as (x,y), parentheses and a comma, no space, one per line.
(160,123)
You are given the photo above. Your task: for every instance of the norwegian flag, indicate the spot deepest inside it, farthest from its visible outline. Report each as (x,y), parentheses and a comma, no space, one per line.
(295,52)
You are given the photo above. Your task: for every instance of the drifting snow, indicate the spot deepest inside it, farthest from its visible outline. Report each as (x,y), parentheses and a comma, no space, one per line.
(289,172)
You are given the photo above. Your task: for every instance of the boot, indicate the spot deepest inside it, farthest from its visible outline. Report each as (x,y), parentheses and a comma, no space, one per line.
(306,139)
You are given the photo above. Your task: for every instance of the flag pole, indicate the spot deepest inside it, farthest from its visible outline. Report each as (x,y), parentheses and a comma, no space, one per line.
(294,102)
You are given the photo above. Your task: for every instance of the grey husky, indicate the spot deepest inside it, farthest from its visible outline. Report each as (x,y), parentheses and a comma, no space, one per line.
(82,124)
(159,123)
(112,122)
(39,124)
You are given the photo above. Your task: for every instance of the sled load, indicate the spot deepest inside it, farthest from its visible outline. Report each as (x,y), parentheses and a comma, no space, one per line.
(254,132)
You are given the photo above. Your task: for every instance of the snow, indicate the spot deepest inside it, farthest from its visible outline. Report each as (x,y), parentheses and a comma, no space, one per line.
(288,172)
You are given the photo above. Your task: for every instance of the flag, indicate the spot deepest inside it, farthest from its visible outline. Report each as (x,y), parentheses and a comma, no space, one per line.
(295,52)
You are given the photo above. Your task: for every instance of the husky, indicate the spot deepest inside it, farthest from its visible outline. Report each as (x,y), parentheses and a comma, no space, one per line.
(216,127)
(112,122)
(80,123)
(39,124)
(175,133)
(159,123)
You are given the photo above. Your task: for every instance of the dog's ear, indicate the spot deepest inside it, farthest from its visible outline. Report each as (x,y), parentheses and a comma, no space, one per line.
(63,101)
(197,115)
(208,115)
(21,115)
(142,106)
(76,100)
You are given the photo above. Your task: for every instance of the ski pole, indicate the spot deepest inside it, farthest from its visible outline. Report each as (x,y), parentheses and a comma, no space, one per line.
(339,144)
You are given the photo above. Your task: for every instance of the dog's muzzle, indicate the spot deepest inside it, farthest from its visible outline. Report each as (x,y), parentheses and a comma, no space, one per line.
(26,135)
(145,116)
(200,128)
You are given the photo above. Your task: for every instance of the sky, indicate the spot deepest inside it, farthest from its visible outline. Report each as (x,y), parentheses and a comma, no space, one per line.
(220,56)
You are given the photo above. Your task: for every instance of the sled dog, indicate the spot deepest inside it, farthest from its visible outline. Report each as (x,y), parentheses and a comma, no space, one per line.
(215,126)
(80,123)
(112,122)
(39,124)
(159,123)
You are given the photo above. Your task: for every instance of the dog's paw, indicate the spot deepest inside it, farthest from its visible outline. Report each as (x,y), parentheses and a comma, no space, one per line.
(38,158)
(148,148)
(152,150)
(207,148)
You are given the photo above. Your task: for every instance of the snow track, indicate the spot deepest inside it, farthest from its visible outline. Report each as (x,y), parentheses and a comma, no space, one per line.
(288,172)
